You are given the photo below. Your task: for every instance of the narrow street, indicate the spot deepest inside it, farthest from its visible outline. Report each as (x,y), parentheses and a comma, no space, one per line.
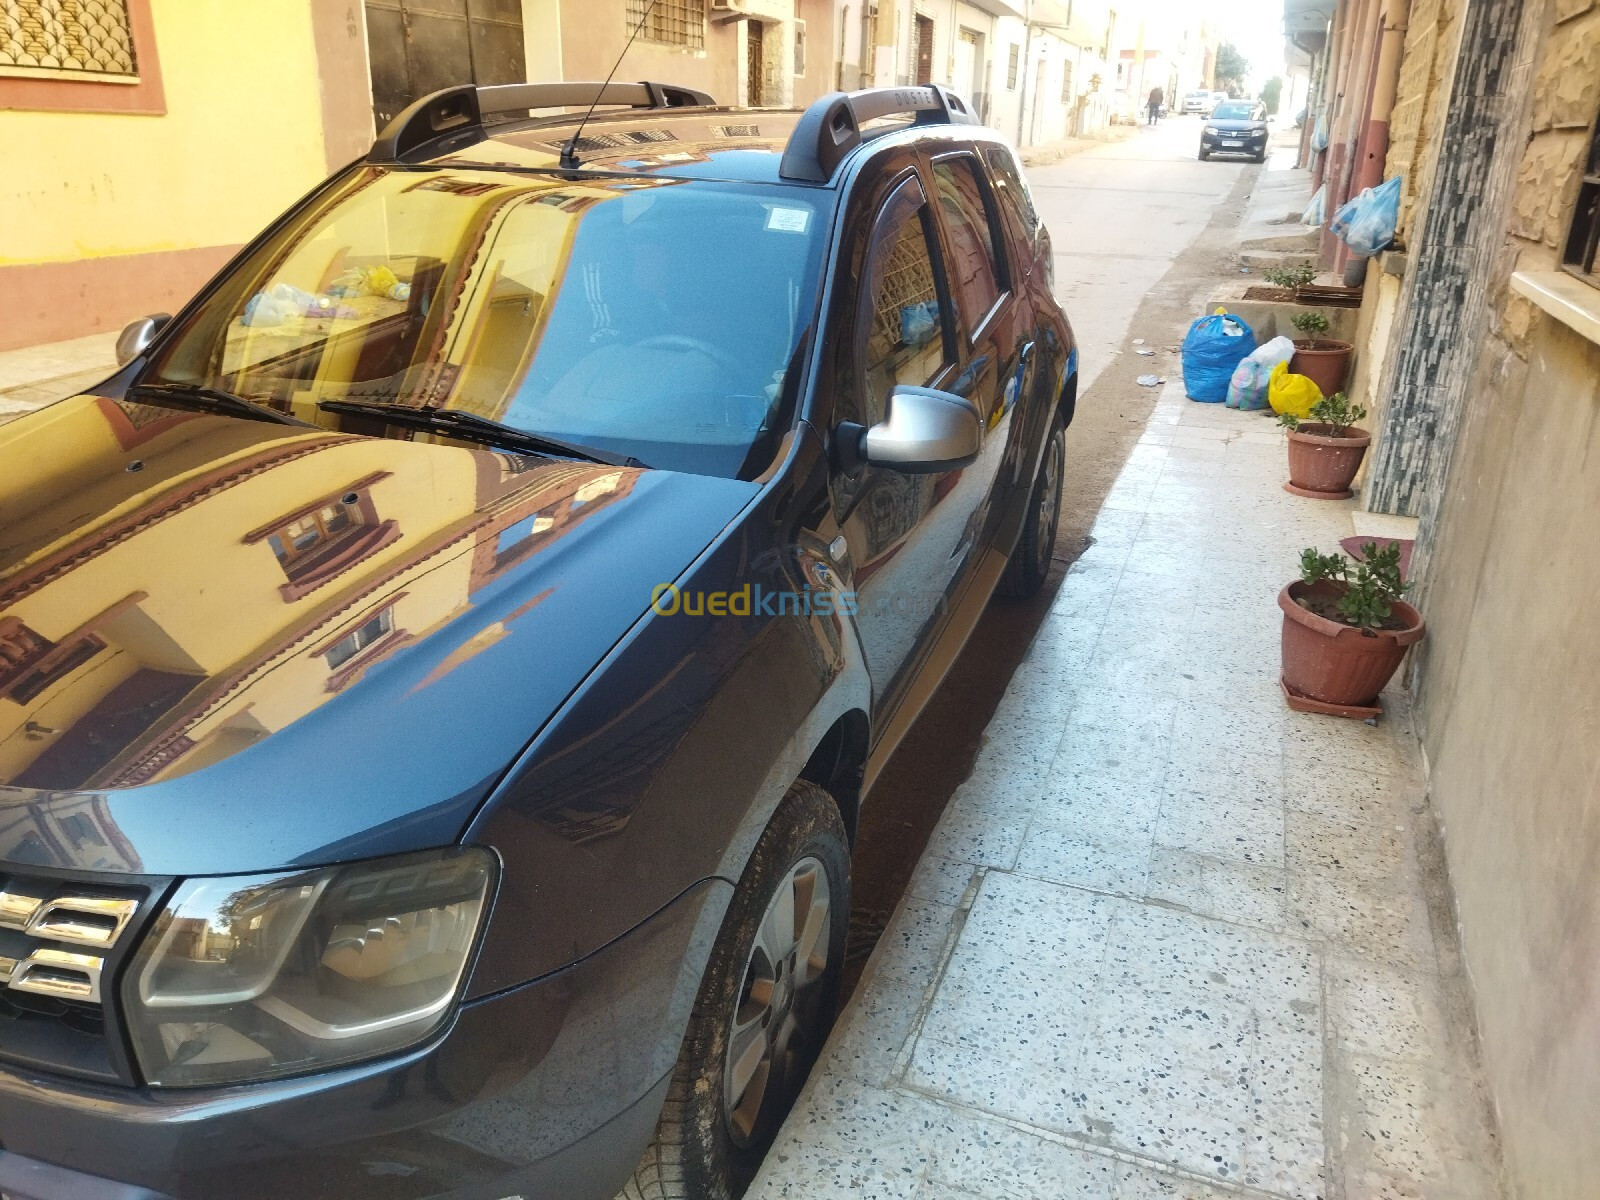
(1168,938)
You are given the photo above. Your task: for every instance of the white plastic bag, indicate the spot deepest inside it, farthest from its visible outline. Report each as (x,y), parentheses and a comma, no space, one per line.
(1319,134)
(1317,210)
(1279,350)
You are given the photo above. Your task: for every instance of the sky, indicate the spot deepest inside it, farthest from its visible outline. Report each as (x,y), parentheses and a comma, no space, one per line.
(1256,28)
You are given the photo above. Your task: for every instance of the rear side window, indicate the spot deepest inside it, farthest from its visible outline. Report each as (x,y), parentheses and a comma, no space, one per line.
(904,338)
(1012,189)
(974,268)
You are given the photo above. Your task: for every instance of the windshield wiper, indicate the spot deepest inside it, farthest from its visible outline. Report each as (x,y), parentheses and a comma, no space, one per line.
(208,399)
(470,426)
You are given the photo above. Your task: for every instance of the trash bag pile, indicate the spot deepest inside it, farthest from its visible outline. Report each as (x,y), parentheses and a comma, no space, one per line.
(1212,348)
(1248,386)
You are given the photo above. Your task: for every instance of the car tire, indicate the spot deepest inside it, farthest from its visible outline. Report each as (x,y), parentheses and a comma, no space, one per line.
(1204,157)
(708,1146)
(1262,157)
(1030,561)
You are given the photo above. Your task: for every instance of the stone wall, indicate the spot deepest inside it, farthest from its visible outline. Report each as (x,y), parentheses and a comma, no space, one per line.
(1507,679)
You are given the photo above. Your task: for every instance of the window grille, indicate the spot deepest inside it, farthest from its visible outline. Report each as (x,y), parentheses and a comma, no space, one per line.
(907,283)
(92,36)
(1584,236)
(675,22)
(1066,83)
(1012,66)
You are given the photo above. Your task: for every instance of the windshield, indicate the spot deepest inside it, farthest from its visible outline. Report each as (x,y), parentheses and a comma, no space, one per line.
(1231,112)
(653,318)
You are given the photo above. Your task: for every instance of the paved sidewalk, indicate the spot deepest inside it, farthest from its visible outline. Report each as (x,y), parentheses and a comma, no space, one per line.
(38,375)
(1170,939)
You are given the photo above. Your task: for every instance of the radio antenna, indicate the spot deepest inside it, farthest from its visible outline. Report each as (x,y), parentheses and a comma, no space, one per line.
(569,155)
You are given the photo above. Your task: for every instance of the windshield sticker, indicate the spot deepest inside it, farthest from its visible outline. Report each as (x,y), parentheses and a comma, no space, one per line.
(788,220)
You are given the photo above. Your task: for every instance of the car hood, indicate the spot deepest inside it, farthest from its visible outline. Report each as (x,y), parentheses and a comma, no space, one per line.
(1227,126)
(231,646)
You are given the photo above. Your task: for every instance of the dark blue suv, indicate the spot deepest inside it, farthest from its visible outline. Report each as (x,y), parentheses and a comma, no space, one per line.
(440,672)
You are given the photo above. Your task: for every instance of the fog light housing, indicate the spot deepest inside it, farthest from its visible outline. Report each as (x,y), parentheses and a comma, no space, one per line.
(260,976)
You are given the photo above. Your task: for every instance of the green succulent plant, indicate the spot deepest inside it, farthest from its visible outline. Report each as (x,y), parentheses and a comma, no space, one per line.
(1289,277)
(1370,588)
(1311,323)
(1335,411)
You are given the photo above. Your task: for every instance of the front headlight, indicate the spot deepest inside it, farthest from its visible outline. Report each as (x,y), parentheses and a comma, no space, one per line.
(259,976)
(1212,129)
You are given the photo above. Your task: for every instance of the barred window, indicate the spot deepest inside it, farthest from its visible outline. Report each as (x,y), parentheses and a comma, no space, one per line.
(91,36)
(675,22)
(1012,65)
(1583,239)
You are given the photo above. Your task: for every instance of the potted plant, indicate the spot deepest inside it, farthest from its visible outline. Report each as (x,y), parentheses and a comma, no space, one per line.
(1324,452)
(1345,630)
(1288,280)
(1323,359)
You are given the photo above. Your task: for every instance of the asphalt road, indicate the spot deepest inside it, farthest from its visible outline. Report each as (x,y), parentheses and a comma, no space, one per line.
(1142,235)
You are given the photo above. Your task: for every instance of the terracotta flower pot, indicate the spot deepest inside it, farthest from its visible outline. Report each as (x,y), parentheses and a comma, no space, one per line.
(1325,361)
(1336,663)
(1321,466)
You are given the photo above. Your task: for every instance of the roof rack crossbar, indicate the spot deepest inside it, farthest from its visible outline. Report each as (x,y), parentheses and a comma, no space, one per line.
(455,115)
(831,128)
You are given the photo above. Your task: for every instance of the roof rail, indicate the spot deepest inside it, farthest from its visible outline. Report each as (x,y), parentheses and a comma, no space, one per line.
(454,117)
(831,127)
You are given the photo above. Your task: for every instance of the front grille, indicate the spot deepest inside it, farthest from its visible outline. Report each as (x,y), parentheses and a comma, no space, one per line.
(63,941)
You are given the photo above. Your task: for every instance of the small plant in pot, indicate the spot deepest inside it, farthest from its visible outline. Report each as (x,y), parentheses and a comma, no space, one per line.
(1325,452)
(1346,627)
(1287,281)
(1323,359)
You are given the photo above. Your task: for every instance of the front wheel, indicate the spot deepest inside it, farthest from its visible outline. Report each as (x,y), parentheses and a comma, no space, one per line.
(1030,561)
(1204,157)
(764,1008)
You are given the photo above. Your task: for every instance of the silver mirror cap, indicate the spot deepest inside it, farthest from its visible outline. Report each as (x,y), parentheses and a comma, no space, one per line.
(136,337)
(924,430)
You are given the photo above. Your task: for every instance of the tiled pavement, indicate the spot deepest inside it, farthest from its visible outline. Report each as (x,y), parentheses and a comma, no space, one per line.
(38,375)
(1170,939)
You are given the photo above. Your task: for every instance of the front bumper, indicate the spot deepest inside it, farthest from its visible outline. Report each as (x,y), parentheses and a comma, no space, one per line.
(548,1090)
(1233,143)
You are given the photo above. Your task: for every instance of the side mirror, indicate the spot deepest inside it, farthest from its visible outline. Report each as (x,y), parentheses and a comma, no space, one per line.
(137,336)
(924,431)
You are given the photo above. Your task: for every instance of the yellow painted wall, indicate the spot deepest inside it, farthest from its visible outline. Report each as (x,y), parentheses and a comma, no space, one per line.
(242,137)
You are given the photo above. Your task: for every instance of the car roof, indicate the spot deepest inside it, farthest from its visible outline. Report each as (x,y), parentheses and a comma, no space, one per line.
(685,143)
(662,130)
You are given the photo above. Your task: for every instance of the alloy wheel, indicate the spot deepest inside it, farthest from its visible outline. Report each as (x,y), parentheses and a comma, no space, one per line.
(1049,497)
(776,1018)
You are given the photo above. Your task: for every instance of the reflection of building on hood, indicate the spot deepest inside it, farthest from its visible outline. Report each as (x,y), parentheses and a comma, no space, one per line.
(243,577)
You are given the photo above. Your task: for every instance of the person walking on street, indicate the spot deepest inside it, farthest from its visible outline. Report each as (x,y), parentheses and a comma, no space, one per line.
(1156,98)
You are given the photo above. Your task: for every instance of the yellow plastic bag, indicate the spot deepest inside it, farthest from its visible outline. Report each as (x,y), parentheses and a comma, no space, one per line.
(1290,393)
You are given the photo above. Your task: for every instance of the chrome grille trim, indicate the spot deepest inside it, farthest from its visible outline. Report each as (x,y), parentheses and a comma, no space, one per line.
(83,920)
(63,974)
(16,910)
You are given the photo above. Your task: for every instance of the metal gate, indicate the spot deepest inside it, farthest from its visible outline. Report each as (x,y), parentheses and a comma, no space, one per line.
(924,50)
(420,46)
(756,54)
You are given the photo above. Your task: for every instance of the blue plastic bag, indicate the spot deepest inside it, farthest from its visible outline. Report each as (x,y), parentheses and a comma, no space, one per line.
(1211,350)
(1367,223)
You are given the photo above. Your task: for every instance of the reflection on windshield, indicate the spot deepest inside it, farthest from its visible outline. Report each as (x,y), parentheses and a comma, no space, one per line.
(652,317)
(245,577)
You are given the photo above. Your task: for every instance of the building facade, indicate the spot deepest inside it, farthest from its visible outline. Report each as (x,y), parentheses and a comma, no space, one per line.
(1479,352)
(148,139)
